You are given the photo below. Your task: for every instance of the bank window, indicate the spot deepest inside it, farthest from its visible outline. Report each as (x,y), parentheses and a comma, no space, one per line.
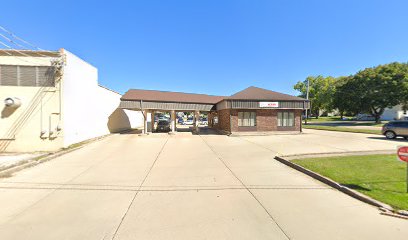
(286,119)
(246,119)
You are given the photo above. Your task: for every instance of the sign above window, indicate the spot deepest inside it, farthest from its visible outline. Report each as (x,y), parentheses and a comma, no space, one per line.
(269,104)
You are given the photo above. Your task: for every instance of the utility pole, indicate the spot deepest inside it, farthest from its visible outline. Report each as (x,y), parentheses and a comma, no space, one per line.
(307,98)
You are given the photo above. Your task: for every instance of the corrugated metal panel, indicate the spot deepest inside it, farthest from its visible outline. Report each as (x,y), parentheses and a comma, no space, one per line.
(255,105)
(9,76)
(165,106)
(207,107)
(30,76)
(27,76)
(45,77)
(129,104)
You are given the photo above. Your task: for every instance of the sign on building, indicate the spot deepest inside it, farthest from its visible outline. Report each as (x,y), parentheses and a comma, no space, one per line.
(268,104)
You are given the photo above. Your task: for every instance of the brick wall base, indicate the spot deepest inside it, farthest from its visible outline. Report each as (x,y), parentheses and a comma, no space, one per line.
(266,120)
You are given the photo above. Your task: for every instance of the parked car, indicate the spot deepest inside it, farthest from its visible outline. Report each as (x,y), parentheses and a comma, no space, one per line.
(163,126)
(180,121)
(189,121)
(364,117)
(164,118)
(395,129)
(204,121)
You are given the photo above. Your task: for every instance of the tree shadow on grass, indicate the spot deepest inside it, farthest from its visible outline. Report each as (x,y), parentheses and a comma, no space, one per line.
(356,187)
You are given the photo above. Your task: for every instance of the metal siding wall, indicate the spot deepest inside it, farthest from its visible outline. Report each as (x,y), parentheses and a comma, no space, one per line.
(165,106)
(207,107)
(29,76)
(46,77)
(9,76)
(255,105)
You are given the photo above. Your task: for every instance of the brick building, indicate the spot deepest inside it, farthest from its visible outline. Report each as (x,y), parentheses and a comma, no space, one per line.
(252,109)
(257,109)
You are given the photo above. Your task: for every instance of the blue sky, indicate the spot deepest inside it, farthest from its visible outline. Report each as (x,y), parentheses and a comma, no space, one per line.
(216,46)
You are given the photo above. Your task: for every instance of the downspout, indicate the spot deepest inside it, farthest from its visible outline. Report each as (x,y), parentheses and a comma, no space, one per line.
(230,117)
(144,117)
(301,120)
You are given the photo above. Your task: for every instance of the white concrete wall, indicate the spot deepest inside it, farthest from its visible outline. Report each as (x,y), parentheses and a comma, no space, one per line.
(79,88)
(135,118)
(90,110)
(117,119)
(77,104)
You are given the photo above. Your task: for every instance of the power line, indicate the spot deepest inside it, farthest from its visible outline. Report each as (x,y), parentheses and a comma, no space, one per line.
(19,45)
(12,49)
(19,57)
(20,39)
(11,41)
(6,47)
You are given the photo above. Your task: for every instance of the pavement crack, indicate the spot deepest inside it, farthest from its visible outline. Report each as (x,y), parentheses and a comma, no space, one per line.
(245,186)
(138,190)
(58,187)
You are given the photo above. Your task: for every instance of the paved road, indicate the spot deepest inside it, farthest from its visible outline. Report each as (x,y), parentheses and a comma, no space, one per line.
(189,187)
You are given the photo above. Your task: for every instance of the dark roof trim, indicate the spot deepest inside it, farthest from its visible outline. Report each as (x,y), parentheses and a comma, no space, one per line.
(248,94)
(166,96)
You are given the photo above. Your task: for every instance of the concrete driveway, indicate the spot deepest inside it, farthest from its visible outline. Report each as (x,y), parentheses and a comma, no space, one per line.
(190,187)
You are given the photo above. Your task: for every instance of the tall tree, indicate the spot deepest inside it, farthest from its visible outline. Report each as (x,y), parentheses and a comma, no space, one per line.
(375,89)
(347,96)
(321,91)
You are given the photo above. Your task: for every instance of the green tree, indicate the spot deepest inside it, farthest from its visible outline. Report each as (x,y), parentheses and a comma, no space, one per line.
(346,98)
(321,91)
(372,90)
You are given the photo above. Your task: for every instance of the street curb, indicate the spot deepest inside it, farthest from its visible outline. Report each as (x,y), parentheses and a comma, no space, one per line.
(8,172)
(397,215)
(385,208)
(331,130)
(335,154)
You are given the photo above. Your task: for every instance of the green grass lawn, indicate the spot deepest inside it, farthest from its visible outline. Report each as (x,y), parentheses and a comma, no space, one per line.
(326,119)
(348,119)
(381,177)
(342,129)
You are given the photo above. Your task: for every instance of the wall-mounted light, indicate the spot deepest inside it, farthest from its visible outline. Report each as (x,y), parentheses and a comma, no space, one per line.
(12,102)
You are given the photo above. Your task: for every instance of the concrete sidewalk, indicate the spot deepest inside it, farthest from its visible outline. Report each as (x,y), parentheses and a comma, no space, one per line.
(190,187)
(8,160)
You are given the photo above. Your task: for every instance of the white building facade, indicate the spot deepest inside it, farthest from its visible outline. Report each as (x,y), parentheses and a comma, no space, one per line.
(53,101)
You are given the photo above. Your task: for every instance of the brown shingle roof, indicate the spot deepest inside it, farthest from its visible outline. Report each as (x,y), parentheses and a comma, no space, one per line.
(162,96)
(251,93)
(255,93)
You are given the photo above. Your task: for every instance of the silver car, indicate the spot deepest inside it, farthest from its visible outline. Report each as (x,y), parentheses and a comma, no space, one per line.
(395,129)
